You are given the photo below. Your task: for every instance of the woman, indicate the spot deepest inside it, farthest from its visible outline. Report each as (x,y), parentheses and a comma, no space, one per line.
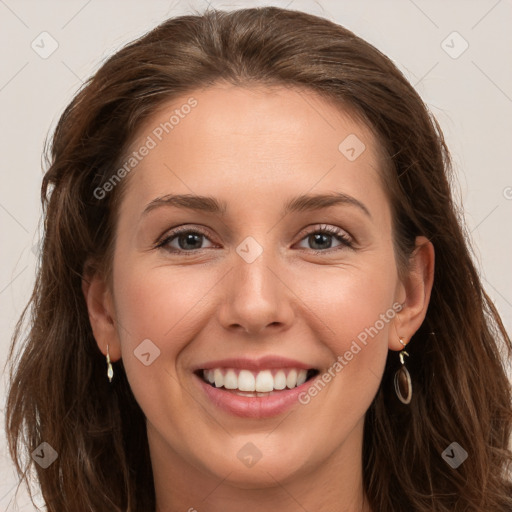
(237,304)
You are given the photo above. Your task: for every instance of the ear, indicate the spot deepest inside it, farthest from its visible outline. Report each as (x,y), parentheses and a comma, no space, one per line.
(100,306)
(414,293)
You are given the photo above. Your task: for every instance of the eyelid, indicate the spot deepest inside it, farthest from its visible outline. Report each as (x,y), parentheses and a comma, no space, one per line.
(314,228)
(347,240)
(173,232)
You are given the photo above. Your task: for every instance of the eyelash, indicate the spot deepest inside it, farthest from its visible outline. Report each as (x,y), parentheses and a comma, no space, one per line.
(324,229)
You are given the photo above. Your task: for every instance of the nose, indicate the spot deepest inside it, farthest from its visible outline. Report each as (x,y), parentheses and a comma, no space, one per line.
(257,297)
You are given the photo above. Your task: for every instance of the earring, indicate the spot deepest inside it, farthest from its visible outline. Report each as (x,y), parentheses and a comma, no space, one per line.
(110,371)
(403,385)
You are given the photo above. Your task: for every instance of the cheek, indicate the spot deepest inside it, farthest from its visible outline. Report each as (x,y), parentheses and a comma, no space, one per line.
(354,308)
(350,299)
(151,312)
(155,302)
(165,306)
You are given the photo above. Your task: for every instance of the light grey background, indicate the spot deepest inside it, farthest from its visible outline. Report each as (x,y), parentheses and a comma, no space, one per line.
(470,95)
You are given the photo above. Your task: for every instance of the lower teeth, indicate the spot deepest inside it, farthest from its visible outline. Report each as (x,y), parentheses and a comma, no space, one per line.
(249,393)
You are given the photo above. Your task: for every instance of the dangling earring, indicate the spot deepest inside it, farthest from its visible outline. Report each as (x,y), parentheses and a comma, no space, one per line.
(403,385)
(110,371)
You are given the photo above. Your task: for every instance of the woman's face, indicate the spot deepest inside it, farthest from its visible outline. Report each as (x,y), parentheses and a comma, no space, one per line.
(258,281)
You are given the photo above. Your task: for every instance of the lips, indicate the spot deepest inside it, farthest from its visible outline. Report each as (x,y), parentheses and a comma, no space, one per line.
(254,388)
(262,363)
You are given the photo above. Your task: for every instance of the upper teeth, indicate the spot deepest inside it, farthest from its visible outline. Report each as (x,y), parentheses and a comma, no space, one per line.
(263,381)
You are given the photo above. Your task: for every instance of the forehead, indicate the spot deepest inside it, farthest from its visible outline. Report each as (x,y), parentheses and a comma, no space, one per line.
(249,143)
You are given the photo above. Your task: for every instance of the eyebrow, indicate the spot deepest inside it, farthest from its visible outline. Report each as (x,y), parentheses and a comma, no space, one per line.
(209,204)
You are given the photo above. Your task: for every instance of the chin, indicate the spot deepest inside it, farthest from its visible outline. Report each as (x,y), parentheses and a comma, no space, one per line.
(261,476)
(267,471)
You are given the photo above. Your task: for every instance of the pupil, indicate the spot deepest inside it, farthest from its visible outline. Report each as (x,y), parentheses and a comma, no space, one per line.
(189,238)
(317,237)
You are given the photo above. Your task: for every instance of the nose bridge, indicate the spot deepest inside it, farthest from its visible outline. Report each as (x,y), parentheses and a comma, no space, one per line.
(253,266)
(256,297)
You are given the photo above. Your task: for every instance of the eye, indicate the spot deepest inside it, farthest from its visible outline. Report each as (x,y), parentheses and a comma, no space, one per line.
(321,239)
(189,240)
(186,239)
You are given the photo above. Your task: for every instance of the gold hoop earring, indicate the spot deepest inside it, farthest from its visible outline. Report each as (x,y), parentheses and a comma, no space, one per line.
(403,384)
(110,370)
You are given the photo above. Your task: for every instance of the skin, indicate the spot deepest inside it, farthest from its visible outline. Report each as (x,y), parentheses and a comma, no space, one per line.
(255,148)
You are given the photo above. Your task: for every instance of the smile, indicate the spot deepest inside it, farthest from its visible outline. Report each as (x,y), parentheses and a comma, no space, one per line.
(256,383)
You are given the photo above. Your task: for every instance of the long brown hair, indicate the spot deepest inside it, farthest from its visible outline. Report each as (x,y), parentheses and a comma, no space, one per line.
(59,392)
